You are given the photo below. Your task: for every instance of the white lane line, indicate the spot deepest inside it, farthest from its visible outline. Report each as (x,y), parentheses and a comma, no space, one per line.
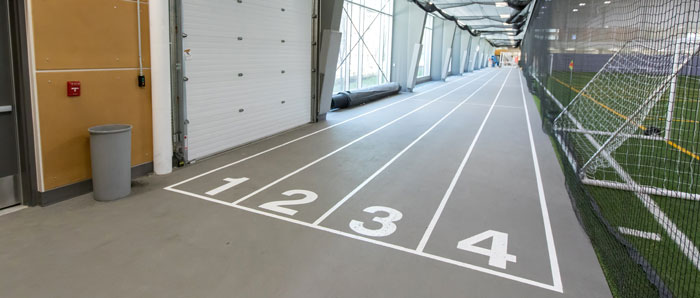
(498,106)
(348,145)
(453,183)
(640,234)
(320,130)
(376,242)
(553,260)
(386,165)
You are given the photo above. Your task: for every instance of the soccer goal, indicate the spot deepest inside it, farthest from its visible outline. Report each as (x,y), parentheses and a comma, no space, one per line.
(616,130)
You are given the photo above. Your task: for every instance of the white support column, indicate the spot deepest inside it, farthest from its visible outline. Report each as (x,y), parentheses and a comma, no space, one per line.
(415,58)
(328,60)
(456,52)
(473,54)
(331,13)
(672,92)
(463,61)
(551,63)
(467,48)
(159,19)
(485,53)
(437,49)
(448,53)
(446,63)
(408,26)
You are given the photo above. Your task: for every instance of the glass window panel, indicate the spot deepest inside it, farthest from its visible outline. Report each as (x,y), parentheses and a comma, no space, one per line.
(426,53)
(365,50)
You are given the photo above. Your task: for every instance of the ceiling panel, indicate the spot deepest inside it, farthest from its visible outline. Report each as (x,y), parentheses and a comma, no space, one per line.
(488,18)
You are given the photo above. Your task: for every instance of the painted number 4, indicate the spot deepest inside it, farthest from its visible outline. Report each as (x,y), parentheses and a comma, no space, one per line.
(498,254)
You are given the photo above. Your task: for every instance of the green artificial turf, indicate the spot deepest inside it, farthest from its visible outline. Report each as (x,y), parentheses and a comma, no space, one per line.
(649,162)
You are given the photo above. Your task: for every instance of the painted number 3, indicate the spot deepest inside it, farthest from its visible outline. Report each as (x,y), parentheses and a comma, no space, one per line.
(388,225)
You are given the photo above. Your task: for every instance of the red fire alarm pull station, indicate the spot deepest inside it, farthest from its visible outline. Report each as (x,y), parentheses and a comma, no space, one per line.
(73,88)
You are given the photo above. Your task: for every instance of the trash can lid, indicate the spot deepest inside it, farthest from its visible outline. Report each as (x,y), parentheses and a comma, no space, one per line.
(109,128)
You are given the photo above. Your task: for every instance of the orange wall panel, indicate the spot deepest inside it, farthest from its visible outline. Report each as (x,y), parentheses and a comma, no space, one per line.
(79,34)
(106,97)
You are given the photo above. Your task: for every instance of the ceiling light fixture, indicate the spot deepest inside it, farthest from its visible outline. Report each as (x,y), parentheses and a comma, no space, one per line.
(501,4)
(607,2)
(582,4)
(505,16)
(575,10)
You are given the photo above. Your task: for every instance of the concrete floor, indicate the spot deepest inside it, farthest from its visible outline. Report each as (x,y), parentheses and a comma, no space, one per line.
(389,189)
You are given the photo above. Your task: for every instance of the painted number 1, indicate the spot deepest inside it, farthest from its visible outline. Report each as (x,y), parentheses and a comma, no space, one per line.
(498,254)
(231,183)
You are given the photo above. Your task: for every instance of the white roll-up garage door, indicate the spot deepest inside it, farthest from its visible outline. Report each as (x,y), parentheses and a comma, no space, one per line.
(247,66)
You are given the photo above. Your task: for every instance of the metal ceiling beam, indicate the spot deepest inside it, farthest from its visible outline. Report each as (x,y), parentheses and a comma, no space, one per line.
(504,27)
(481,18)
(463,4)
(516,20)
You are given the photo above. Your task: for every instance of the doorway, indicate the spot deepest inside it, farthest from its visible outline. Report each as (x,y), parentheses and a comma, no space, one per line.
(10,190)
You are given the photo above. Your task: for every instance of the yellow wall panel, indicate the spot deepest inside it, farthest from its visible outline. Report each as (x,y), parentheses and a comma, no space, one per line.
(106,97)
(79,34)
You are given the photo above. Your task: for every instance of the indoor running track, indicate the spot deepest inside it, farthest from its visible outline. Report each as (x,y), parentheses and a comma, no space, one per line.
(449,191)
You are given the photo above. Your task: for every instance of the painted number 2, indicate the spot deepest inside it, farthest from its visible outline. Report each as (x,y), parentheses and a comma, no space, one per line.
(498,254)
(309,196)
(388,226)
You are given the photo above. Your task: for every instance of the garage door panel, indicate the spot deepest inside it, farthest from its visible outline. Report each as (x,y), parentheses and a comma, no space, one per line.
(246,20)
(248,132)
(248,69)
(240,90)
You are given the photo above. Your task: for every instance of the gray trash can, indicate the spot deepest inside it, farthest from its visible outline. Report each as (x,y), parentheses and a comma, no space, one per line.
(110,151)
